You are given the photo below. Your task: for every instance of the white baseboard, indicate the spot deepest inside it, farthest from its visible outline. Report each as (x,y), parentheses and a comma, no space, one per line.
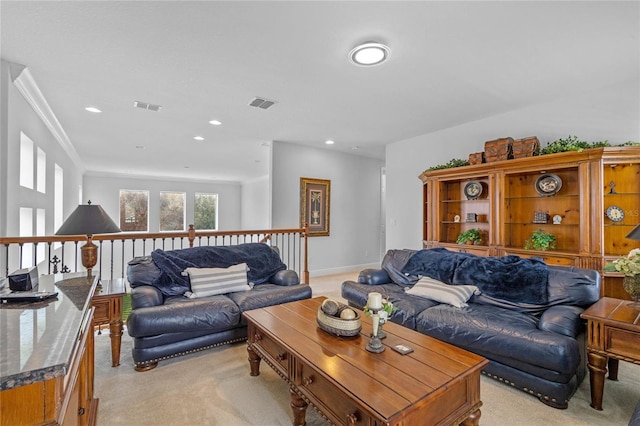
(342,269)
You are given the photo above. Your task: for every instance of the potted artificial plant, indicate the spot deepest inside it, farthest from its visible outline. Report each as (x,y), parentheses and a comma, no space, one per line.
(470,236)
(540,240)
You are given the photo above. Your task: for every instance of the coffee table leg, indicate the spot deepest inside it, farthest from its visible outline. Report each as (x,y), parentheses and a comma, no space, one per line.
(254,361)
(299,407)
(473,419)
(597,369)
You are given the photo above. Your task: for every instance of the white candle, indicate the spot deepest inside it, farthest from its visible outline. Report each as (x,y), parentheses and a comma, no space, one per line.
(375,301)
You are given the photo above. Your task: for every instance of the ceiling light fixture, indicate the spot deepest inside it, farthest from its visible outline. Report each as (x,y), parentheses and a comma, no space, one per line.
(215,122)
(198,138)
(369,54)
(93,109)
(329,142)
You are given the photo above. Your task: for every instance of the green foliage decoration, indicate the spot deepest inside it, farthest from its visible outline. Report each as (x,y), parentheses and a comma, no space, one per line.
(455,162)
(470,235)
(572,143)
(540,240)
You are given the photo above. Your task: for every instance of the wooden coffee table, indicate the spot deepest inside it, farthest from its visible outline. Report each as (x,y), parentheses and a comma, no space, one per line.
(436,384)
(613,334)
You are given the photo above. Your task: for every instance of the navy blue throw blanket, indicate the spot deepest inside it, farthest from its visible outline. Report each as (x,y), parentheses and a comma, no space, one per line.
(509,278)
(262,260)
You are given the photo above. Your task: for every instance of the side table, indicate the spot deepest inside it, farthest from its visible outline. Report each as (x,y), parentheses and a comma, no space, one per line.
(613,328)
(108,303)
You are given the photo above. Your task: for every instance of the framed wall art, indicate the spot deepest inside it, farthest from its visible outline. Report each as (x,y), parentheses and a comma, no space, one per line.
(315,197)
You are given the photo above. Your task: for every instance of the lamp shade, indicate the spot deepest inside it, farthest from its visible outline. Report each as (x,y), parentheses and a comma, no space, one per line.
(88,219)
(634,234)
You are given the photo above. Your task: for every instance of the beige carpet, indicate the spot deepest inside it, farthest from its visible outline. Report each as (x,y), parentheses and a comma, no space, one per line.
(214,387)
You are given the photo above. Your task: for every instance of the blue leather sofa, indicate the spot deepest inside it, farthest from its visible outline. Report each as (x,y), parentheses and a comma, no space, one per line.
(164,323)
(539,347)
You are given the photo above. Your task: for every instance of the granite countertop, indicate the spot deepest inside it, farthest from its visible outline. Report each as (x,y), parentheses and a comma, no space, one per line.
(37,339)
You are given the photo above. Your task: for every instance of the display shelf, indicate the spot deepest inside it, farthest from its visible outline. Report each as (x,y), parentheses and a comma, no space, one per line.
(514,190)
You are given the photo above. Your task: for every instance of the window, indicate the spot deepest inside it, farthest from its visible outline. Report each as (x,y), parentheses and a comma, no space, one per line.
(41,173)
(172,216)
(134,210)
(26,161)
(206,212)
(26,230)
(40,231)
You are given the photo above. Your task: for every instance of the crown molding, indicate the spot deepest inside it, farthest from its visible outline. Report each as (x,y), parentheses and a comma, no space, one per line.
(28,88)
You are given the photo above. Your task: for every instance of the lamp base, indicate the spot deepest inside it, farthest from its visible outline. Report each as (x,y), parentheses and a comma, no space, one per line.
(89,255)
(375,345)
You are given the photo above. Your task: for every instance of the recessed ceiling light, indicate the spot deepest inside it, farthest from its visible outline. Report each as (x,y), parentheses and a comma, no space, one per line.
(93,109)
(215,122)
(329,142)
(370,53)
(198,138)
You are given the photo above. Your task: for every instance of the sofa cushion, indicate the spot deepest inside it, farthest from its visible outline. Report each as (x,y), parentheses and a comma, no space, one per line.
(211,281)
(268,295)
(406,306)
(179,314)
(509,337)
(455,295)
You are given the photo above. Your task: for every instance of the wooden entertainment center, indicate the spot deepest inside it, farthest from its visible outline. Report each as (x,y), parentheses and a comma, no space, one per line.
(589,200)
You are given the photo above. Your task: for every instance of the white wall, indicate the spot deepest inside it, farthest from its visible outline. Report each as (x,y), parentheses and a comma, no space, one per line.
(256,204)
(16,115)
(608,113)
(105,190)
(355,220)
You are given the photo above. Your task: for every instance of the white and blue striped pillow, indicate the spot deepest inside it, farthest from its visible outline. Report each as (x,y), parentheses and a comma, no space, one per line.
(210,281)
(456,295)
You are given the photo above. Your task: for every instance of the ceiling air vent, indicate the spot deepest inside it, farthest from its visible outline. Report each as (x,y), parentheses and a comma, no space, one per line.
(145,105)
(261,103)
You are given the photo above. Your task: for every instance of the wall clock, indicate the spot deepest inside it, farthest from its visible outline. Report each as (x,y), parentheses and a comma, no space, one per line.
(473,190)
(615,213)
(548,185)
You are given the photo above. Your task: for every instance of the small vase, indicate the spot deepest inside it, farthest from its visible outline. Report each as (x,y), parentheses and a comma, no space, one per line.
(631,285)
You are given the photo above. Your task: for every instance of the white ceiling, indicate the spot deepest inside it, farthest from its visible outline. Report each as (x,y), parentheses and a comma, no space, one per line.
(451,63)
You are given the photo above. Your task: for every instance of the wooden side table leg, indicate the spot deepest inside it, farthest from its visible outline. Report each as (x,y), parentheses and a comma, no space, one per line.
(115,329)
(613,368)
(299,407)
(597,365)
(473,419)
(115,332)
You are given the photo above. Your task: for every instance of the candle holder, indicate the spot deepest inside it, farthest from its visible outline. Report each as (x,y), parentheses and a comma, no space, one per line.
(375,345)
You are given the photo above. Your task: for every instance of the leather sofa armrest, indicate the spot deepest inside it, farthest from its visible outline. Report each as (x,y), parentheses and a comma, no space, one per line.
(562,320)
(373,276)
(286,278)
(145,296)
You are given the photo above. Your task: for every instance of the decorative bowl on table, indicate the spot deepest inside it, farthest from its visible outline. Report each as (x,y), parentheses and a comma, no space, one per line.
(338,319)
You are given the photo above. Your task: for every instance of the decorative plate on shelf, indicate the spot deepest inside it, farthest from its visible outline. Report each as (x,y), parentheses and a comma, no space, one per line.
(473,190)
(615,213)
(548,184)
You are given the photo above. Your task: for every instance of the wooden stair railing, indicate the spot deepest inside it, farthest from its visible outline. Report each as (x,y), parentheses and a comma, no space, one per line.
(55,254)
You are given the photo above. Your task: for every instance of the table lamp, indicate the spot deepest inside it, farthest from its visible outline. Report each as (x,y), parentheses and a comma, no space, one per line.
(88,219)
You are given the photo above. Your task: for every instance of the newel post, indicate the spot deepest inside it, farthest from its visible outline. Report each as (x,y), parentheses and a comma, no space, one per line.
(191,235)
